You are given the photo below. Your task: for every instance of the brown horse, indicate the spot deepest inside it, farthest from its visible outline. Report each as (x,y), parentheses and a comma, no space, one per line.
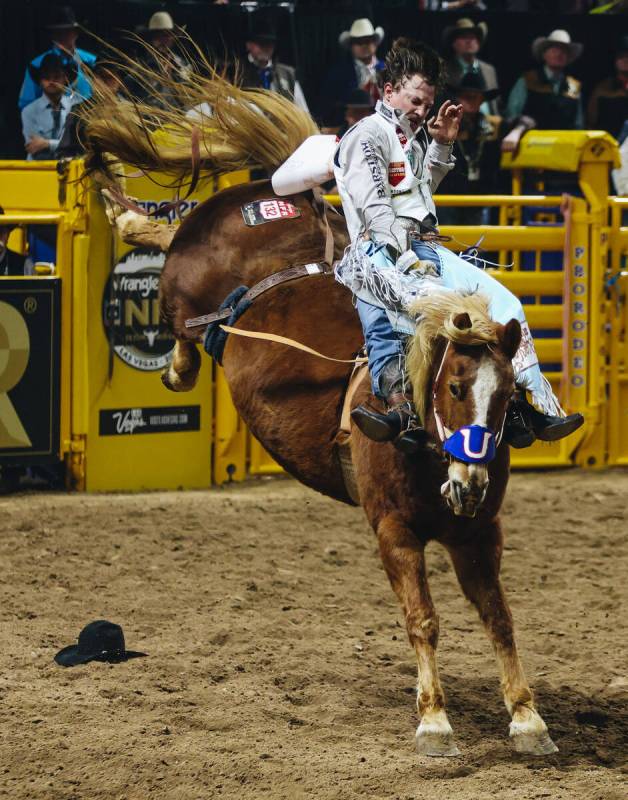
(461,370)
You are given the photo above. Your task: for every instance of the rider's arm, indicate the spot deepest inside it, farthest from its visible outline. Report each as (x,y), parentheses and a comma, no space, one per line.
(441,161)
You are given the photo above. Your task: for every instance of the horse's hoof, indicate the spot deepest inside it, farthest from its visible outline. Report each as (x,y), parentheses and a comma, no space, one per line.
(532,740)
(436,740)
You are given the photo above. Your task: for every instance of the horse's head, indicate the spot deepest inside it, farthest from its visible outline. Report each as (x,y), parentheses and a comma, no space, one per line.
(460,362)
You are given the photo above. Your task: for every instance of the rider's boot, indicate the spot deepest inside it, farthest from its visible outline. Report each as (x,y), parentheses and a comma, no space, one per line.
(399,424)
(524,424)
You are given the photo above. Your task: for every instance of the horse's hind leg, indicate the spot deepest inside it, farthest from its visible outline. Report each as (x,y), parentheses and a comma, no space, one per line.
(404,560)
(182,373)
(477,568)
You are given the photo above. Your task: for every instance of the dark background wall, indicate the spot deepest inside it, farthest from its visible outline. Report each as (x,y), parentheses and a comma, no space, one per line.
(308,39)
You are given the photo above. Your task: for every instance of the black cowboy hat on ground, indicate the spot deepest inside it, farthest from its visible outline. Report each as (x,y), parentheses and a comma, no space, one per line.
(61,18)
(98,641)
(52,63)
(473,81)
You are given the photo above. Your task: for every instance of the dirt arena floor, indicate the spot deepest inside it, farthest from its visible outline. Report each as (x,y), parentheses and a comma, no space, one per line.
(277,663)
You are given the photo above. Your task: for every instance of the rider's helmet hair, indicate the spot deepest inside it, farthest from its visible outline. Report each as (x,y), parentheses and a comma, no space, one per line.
(408,57)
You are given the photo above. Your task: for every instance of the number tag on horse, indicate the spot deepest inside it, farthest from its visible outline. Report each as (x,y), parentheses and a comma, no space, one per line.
(473,444)
(262,211)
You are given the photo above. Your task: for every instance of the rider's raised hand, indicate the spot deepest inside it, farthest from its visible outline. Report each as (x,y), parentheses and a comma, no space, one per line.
(443,128)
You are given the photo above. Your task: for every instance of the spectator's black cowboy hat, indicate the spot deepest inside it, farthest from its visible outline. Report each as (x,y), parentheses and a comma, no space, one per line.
(52,62)
(462,27)
(557,38)
(622,46)
(262,31)
(99,641)
(361,30)
(358,98)
(61,18)
(473,81)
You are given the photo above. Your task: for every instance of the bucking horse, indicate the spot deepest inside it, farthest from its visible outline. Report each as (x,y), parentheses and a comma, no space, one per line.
(293,400)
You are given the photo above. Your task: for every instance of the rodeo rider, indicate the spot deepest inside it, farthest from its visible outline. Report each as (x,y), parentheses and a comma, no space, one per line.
(387,167)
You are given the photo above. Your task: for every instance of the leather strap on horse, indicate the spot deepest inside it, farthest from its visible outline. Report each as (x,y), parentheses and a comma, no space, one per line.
(274,337)
(320,206)
(277,278)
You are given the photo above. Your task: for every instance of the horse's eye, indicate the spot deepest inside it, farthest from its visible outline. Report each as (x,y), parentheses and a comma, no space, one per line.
(454,388)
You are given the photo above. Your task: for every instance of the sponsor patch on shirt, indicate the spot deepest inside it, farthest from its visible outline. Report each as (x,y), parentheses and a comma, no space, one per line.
(262,211)
(396,172)
(403,139)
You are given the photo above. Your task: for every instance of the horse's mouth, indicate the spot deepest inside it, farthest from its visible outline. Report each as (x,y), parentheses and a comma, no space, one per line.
(465,500)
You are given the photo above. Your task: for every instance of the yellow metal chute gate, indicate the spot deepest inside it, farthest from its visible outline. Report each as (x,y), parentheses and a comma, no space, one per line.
(112,346)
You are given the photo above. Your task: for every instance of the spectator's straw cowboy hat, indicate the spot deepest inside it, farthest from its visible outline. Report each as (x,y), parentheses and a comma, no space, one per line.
(162,21)
(361,30)
(61,18)
(52,62)
(557,38)
(462,27)
(99,641)
(473,81)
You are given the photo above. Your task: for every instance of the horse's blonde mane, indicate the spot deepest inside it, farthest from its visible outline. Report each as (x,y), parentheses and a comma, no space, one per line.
(435,314)
(248,127)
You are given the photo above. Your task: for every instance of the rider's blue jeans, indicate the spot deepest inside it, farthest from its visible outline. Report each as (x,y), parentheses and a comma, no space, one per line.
(382,341)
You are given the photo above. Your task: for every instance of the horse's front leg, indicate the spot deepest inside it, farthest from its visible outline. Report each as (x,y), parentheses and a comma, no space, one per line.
(404,560)
(477,567)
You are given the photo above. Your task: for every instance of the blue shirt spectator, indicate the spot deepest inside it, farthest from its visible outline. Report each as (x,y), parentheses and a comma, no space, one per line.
(43,120)
(64,31)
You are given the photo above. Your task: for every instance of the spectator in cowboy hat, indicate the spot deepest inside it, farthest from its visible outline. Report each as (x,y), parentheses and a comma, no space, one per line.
(161,58)
(64,31)
(43,120)
(546,97)
(359,68)
(11,264)
(261,71)
(476,150)
(462,42)
(608,104)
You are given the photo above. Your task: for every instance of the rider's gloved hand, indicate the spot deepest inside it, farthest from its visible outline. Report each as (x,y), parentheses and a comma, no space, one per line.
(404,261)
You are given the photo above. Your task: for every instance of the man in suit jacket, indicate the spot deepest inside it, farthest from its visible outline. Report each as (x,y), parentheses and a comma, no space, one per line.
(262,71)
(462,43)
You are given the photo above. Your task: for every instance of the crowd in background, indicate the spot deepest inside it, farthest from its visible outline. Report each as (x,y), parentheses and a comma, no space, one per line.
(546,96)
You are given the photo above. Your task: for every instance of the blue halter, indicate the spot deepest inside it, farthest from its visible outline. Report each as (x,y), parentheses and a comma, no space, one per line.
(473,444)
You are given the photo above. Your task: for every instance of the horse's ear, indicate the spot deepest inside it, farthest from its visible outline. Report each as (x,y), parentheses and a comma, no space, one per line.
(509,336)
(462,321)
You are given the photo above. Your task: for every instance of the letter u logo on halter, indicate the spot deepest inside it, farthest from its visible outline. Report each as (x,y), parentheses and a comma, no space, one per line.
(473,444)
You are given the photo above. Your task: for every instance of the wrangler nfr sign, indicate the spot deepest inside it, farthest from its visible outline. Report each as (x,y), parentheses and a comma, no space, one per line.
(30,329)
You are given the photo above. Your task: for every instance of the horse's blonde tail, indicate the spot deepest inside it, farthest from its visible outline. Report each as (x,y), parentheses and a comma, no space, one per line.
(245,128)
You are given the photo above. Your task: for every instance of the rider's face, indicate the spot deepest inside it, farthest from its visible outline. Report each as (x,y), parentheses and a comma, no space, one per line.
(414,96)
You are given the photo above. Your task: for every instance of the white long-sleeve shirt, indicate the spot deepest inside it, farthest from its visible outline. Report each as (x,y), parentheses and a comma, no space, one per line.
(386,174)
